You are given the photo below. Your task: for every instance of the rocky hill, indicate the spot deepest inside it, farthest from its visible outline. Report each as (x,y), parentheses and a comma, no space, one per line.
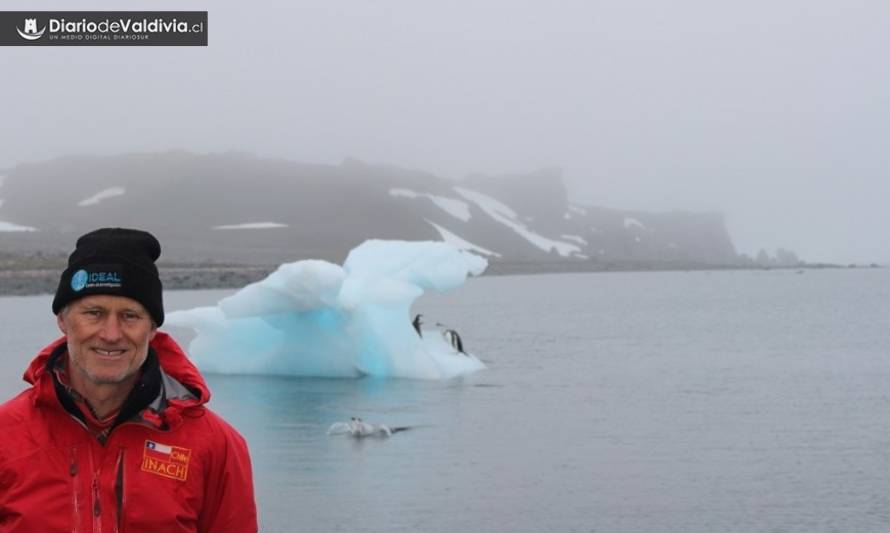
(237,208)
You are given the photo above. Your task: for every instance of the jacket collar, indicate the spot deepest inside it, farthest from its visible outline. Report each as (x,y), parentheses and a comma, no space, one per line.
(176,387)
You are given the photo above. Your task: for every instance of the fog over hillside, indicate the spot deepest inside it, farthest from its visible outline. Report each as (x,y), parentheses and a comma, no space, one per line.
(773,114)
(245,209)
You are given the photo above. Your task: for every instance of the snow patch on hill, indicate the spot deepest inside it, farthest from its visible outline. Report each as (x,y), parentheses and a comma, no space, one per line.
(252,225)
(9,227)
(104,194)
(459,242)
(456,208)
(506,216)
(575,238)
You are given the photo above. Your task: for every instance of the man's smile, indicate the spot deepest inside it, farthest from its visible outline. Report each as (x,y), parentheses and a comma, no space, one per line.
(110,353)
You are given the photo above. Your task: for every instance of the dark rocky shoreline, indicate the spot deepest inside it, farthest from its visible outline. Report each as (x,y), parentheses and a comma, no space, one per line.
(21,282)
(41,275)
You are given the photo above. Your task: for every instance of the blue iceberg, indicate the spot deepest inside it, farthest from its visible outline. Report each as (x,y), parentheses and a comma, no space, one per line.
(315,318)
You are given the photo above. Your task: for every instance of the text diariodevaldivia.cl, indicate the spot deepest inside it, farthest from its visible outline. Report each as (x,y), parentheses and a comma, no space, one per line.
(124,26)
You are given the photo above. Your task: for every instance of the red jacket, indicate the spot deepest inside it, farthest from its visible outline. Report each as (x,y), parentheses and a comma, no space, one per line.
(175,467)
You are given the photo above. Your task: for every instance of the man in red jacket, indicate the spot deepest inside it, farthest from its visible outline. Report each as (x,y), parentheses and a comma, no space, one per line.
(113,434)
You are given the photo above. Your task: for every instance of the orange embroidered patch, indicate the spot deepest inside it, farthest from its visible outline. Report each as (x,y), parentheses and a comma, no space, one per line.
(165,460)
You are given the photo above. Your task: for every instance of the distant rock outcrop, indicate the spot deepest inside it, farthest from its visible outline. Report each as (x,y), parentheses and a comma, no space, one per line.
(783,259)
(234,207)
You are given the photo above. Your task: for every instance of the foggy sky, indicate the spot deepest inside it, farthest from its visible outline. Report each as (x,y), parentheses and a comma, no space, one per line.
(774,113)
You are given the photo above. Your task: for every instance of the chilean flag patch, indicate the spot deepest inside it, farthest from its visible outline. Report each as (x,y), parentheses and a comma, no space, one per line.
(166,460)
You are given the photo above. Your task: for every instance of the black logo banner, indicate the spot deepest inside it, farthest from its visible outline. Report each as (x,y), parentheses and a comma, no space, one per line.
(103,28)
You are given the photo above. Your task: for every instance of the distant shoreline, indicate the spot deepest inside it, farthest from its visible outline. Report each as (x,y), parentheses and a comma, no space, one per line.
(27,277)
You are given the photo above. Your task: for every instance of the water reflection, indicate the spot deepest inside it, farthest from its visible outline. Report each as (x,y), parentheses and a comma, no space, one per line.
(295,459)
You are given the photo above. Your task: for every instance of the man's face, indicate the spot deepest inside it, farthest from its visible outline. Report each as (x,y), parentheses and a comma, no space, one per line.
(108,339)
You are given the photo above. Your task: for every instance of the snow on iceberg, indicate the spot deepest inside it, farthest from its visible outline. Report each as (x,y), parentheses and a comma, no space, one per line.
(315,318)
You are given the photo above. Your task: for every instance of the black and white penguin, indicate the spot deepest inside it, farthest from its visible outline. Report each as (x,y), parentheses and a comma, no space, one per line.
(418,320)
(454,339)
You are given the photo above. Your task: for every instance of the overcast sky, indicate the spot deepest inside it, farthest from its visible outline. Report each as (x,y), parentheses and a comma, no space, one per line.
(775,113)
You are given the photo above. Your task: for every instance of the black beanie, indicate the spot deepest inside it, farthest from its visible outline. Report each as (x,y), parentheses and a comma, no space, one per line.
(115,261)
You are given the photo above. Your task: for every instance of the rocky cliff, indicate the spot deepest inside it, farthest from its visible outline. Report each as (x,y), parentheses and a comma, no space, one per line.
(239,208)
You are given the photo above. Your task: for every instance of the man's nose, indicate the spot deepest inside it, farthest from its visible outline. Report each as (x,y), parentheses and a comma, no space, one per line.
(111,329)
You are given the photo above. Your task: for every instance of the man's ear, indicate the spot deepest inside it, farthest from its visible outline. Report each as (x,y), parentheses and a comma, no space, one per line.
(63,327)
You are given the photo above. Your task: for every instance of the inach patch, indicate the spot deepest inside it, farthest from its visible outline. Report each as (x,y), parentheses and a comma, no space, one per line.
(165,460)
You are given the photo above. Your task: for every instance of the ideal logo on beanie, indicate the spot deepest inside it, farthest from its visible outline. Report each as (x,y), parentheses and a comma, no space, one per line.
(87,280)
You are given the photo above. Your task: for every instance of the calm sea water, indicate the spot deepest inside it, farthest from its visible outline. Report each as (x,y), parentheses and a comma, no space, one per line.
(637,402)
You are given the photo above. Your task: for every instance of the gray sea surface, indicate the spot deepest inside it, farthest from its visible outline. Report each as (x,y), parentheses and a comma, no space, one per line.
(700,402)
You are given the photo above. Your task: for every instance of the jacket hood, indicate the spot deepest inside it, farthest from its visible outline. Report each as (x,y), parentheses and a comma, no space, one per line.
(173,360)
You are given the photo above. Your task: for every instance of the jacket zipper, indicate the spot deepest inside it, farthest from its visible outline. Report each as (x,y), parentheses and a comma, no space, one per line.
(119,491)
(75,492)
(97,506)
(97,509)
(74,469)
